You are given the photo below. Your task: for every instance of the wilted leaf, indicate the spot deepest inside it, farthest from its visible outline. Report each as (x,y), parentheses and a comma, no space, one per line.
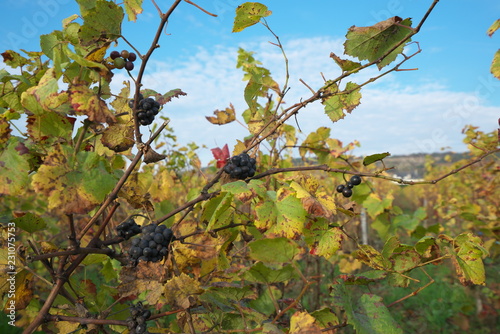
(85,102)
(364,278)
(495,65)
(345,64)
(15,167)
(223,116)
(118,137)
(151,156)
(168,96)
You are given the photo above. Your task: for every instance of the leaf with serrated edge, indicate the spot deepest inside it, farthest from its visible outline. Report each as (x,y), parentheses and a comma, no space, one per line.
(249,14)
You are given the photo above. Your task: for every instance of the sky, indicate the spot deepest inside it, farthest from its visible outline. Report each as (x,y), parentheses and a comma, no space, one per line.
(422,110)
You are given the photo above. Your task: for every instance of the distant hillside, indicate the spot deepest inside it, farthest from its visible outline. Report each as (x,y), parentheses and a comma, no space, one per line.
(413,166)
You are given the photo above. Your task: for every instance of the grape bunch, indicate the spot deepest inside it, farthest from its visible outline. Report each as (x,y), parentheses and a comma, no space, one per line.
(147,109)
(123,59)
(137,322)
(128,229)
(153,245)
(241,166)
(346,189)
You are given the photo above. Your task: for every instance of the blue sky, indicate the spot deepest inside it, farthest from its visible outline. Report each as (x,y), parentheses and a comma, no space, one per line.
(405,112)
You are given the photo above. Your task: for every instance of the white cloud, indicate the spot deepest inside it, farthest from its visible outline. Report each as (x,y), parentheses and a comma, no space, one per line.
(394,117)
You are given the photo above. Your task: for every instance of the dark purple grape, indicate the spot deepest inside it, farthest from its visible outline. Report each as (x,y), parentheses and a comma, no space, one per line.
(355,180)
(132,56)
(129,66)
(114,54)
(340,188)
(347,192)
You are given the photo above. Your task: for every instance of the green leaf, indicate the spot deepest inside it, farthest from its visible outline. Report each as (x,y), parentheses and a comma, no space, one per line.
(375,205)
(341,102)
(217,211)
(364,278)
(368,315)
(330,242)
(424,244)
(495,65)
(371,316)
(249,14)
(133,8)
(260,273)
(30,222)
(368,160)
(277,250)
(105,17)
(283,214)
(467,259)
(15,167)
(373,42)
(494,27)
(14,59)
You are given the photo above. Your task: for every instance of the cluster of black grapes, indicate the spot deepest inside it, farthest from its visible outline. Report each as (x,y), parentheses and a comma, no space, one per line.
(137,322)
(241,166)
(346,189)
(147,109)
(128,229)
(153,245)
(123,59)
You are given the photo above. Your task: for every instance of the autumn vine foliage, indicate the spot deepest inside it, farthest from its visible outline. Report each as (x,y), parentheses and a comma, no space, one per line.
(110,228)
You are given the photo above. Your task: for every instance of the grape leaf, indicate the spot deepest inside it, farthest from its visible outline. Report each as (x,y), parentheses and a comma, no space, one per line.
(15,166)
(49,127)
(467,259)
(85,102)
(364,278)
(373,42)
(105,16)
(249,14)
(277,250)
(371,257)
(168,96)
(345,64)
(281,213)
(260,273)
(118,137)
(368,160)
(133,8)
(325,317)
(223,116)
(5,131)
(29,222)
(182,291)
(73,184)
(495,65)
(303,322)
(494,27)
(340,102)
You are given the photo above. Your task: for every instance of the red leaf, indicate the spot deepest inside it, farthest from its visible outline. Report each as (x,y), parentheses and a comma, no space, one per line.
(221,155)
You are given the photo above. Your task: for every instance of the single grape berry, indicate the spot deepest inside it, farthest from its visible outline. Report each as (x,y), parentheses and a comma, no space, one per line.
(347,192)
(355,180)
(125,54)
(349,185)
(340,188)
(129,66)
(119,62)
(114,54)
(132,56)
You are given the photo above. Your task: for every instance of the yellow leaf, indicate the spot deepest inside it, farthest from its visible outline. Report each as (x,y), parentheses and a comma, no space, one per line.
(303,323)
(98,53)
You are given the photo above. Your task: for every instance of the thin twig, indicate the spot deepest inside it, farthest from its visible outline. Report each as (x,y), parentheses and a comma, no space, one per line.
(203,10)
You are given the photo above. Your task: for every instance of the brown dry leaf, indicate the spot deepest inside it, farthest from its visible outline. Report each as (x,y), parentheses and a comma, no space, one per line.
(151,156)
(223,116)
